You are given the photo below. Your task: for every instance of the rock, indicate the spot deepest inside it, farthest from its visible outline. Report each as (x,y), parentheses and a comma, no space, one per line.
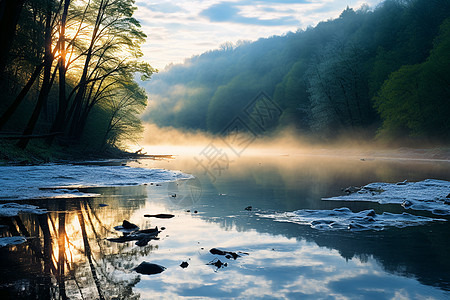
(128,225)
(148,231)
(143,242)
(141,236)
(217,263)
(227,254)
(217,251)
(355,226)
(369,219)
(147,268)
(195,211)
(249,208)
(371,213)
(160,216)
(372,190)
(184,264)
(448,196)
(402,182)
(407,204)
(351,189)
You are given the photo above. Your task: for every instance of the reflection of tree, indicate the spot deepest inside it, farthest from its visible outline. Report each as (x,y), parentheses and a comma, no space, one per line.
(67,255)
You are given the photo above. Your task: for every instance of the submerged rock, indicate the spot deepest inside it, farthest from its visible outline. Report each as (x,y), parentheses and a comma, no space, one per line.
(227,254)
(217,263)
(160,216)
(126,227)
(147,268)
(143,237)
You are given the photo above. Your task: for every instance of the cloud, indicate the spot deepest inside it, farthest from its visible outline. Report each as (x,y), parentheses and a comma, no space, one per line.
(232,12)
(177,31)
(165,7)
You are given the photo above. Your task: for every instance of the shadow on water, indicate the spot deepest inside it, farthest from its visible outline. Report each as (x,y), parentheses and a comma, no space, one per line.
(67,255)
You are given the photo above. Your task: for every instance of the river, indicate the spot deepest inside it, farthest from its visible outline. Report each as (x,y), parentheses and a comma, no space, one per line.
(230,205)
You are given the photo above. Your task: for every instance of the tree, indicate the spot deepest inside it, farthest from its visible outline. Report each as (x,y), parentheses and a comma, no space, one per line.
(415,100)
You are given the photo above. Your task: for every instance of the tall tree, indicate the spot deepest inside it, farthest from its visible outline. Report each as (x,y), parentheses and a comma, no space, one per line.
(47,79)
(9,16)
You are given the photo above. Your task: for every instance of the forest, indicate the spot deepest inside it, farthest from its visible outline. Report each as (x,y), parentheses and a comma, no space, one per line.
(382,71)
(68,73)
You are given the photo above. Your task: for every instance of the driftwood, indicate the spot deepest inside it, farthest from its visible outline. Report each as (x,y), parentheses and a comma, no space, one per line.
(7,136)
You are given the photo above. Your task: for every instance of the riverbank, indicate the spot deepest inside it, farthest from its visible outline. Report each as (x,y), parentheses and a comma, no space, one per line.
(38,153)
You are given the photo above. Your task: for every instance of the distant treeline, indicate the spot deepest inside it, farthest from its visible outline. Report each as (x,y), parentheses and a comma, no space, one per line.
(385,70)
(68,70)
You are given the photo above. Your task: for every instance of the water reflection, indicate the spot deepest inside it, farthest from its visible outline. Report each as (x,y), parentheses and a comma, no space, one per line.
(67,254)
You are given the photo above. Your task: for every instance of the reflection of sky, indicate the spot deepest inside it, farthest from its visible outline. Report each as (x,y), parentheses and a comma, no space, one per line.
(276,267)
(285,260)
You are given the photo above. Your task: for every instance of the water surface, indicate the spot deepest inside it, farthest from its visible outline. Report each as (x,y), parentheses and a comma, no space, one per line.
(67,252)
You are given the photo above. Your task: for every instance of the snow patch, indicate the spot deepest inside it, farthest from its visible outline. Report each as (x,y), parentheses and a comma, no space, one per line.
(60,180)
(344,218)
(429,195)
(13,209)
(13,240)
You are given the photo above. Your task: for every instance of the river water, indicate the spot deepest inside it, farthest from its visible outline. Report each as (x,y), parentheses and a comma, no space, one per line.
(67,253)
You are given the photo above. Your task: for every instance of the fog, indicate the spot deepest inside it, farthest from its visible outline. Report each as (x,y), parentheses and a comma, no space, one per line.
(288,141)
(350,74)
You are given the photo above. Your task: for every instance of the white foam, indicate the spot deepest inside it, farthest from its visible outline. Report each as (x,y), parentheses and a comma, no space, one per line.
(429,195)
(345,219)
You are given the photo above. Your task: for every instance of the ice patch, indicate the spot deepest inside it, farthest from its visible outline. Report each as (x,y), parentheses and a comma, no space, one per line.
(60,180)
(429,195)
(13,209)
(13,240)
(344,218)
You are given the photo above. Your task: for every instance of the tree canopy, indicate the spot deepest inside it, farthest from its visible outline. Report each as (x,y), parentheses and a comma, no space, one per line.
(370,68)
(70,72)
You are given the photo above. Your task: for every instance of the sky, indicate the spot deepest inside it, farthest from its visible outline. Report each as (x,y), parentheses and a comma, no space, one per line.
(178,30)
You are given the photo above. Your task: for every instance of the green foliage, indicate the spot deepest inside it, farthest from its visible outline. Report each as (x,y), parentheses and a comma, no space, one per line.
(94,57)
(324,78)
(415,100)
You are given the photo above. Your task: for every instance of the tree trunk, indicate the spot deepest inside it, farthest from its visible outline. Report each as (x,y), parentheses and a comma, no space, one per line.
(13,107)
(58,124)
(9,16)
(79,97)
(46,83)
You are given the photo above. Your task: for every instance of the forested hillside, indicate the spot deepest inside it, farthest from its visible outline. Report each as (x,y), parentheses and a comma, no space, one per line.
(383,69)
(68,72)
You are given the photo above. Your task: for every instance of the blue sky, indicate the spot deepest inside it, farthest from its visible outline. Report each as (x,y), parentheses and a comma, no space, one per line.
(181,29)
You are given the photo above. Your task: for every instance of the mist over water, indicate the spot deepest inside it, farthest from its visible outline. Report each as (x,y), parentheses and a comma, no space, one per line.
(287,141)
